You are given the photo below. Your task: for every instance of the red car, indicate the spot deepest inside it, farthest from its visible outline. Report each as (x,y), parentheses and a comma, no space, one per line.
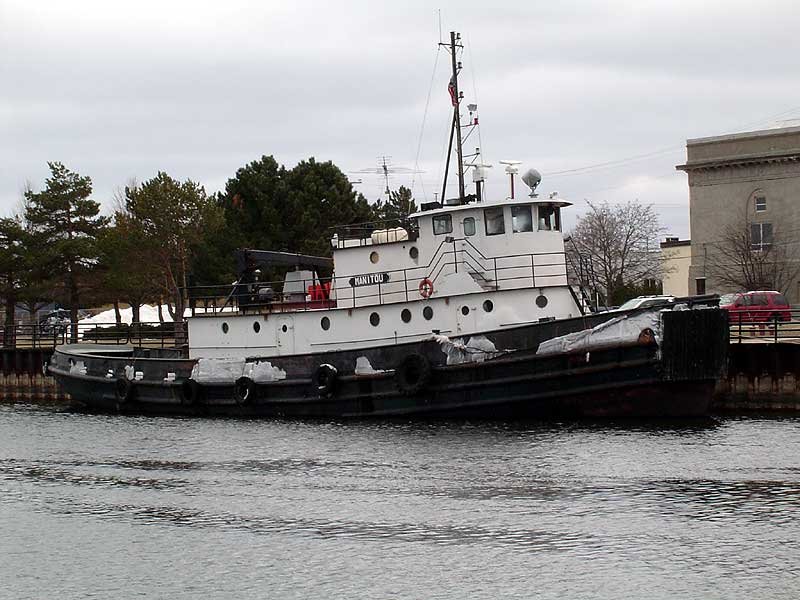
(756,307)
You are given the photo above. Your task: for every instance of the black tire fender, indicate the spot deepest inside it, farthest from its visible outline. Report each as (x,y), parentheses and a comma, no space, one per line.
(325,379)
(244,390)
(413,374)
(124,390)
(190,392)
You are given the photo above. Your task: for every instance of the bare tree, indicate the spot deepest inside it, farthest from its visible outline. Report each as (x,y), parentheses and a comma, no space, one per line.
(614,246)
(752,256)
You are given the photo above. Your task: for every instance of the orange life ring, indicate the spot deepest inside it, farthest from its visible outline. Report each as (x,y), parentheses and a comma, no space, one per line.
(426,288)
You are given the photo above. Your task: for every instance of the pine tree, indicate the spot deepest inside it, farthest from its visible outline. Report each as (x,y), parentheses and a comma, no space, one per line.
(65,223)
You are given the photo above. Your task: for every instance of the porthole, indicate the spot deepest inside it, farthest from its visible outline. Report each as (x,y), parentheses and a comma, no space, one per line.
(413,253)
(427,312)
(465,310)
(284,329)
(374,319)
(256,326)
(373,257)
(224,328)
(406,315)
(488,306)
(541,301)
(325,323)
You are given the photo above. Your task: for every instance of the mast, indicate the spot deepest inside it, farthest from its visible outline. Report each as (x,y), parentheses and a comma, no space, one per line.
(455,131)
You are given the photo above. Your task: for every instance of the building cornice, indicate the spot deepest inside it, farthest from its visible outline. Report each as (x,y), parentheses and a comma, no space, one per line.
(741,160)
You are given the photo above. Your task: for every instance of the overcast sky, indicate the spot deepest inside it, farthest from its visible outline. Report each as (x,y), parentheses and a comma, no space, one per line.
(198,89)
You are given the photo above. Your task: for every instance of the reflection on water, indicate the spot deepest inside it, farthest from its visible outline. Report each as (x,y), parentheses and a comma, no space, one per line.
(181,508)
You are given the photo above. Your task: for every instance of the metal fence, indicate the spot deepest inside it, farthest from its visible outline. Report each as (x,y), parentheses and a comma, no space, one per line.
(145,335)
(770,325)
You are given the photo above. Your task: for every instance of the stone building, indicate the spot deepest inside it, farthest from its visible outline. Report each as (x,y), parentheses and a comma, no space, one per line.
(748,182)
(675,261)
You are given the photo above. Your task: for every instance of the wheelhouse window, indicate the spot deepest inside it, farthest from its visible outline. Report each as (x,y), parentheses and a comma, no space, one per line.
(761,203)
(760,236)
(521,219)
(495,224)
(469,226)
(442,224)
(549,218)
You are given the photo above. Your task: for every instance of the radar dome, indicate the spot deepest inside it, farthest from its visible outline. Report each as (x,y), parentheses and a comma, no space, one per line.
(532,178)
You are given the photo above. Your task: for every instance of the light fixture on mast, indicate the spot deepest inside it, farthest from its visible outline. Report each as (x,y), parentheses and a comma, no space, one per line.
(512,168)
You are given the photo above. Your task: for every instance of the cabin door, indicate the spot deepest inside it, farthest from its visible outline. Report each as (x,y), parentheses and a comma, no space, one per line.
(285,333)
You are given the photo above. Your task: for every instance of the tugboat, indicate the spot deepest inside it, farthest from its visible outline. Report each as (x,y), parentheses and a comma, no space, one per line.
(462,310)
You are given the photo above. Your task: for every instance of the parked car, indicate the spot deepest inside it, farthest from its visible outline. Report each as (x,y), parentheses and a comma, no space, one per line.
(756,307)
(646,302)
(55,322)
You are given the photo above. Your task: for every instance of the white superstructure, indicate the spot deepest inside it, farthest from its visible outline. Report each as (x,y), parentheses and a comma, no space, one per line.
(455,270)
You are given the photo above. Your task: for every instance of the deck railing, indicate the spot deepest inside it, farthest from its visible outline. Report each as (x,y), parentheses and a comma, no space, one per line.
(542,269)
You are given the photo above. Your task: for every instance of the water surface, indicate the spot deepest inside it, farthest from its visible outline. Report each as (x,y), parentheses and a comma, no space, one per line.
(126,507)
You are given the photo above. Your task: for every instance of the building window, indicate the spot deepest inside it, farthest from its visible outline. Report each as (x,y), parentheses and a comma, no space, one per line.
(549,218)
(521,219)
(442,224)
(760,236)
(761,203)
(469,226)
(495,224)
(700,285)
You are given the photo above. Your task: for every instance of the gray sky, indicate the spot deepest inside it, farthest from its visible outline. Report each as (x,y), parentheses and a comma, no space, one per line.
(198,89)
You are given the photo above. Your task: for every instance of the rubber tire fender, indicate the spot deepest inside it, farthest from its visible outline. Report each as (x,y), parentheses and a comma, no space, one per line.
(413,374)
(244,390)
(325,380)
(190,392)
(124,390)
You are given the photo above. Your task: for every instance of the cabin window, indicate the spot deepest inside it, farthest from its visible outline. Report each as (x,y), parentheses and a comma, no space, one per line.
(374,319)
(224,328)
(488,306)
(549,218)
(427,312)
(256,326)
(469,226)
(405,315)
(521,219)
(374,258)
(541,301)
(442,224)
(495,225)
(325,323)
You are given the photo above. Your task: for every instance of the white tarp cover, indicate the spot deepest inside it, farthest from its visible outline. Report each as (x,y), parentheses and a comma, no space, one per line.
(618,330)
(228,370)
(477,348)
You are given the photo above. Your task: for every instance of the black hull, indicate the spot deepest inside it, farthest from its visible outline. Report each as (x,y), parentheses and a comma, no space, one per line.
(638,380)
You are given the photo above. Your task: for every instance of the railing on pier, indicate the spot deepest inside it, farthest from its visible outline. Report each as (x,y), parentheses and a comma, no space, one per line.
(145,335)
(765,325)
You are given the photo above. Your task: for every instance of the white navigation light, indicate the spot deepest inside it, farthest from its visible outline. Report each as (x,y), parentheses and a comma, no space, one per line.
(532,178)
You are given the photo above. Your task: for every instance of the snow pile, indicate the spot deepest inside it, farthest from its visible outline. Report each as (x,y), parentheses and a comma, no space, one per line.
(261,372)
(147,314)
(107,318)
(228,370)
(364,367)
